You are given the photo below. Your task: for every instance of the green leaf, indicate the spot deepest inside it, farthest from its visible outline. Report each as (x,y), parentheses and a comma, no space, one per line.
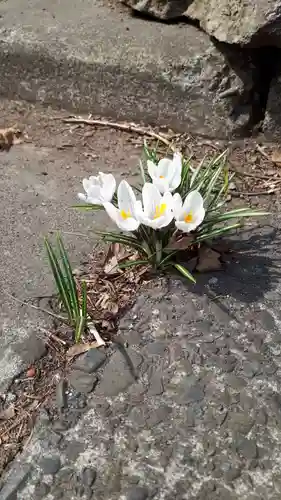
(131,263)
(237,214)
(59,280)
(79,328)
(215,233)
(88,207)
(196,172)
(69,279)
(84,299)
(158,248)
(185,272)
(122,239)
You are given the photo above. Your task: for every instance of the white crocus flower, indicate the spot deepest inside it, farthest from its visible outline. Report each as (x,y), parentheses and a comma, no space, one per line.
(125,216)
(166,176)
(157,209)
(99,189)
(189,214)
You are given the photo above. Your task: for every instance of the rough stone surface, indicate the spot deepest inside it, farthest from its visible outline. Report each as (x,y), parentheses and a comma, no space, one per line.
(177,71)
(244,22)
(81,381)
(272,120)
(90,361)
(203,432)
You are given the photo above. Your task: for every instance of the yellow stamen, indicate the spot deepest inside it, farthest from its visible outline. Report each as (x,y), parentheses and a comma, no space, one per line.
(161,176)
(188,217)
(160,210)
(125,215)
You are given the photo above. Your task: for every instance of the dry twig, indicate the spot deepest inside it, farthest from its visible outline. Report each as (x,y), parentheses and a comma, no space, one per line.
(126,127)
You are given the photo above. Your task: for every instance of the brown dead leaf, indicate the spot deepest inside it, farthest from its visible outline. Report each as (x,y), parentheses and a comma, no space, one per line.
(8,137)
(111,259)
(276,156)
(111,266)
(209,260)
(77,349)
(8,413)
(182,243)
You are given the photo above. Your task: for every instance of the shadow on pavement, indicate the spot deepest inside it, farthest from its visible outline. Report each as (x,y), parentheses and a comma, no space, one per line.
(252,270)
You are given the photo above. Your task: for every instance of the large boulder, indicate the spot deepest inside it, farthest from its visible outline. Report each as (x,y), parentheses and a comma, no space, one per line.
(160,9)
(253,23)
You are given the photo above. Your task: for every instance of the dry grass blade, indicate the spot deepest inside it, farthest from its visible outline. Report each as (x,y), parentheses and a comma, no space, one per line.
(78,349)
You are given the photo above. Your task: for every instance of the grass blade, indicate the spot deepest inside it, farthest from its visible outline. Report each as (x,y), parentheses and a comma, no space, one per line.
(84,298)
(80,327)
(131,263)
(59,279)
(237,215)
(216,232)
(182,270)
(71,285)
(88,207)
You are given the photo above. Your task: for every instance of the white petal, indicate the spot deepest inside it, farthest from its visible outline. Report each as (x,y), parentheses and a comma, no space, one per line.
(186,227)
(112,211)
(183,226)
(175,180)
(161,184)
(86,184)
(126,198)
(82,197)
(95,180)
(198,217)
(193,202)
(108,183)
(151,198)
(165,168)
(151,168)
(177,204)
(157,223)
(129,224)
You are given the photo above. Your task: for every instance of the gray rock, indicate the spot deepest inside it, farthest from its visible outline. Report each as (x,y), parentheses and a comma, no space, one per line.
(156,385)
(194,394)
(240,422)
(250,369)
(41,490)
(81,381)
(232,473)
(255,22)
(73,450)
(137,493)
(61,397)
(31,349)
(50,465)
(89,475)
(156,348)
(266,319)
(247,448)
(235,382)
(15,481)
(159,415)
(90,361)
(120,372)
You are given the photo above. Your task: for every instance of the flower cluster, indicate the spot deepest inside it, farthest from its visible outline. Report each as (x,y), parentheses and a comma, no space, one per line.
(158,207)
